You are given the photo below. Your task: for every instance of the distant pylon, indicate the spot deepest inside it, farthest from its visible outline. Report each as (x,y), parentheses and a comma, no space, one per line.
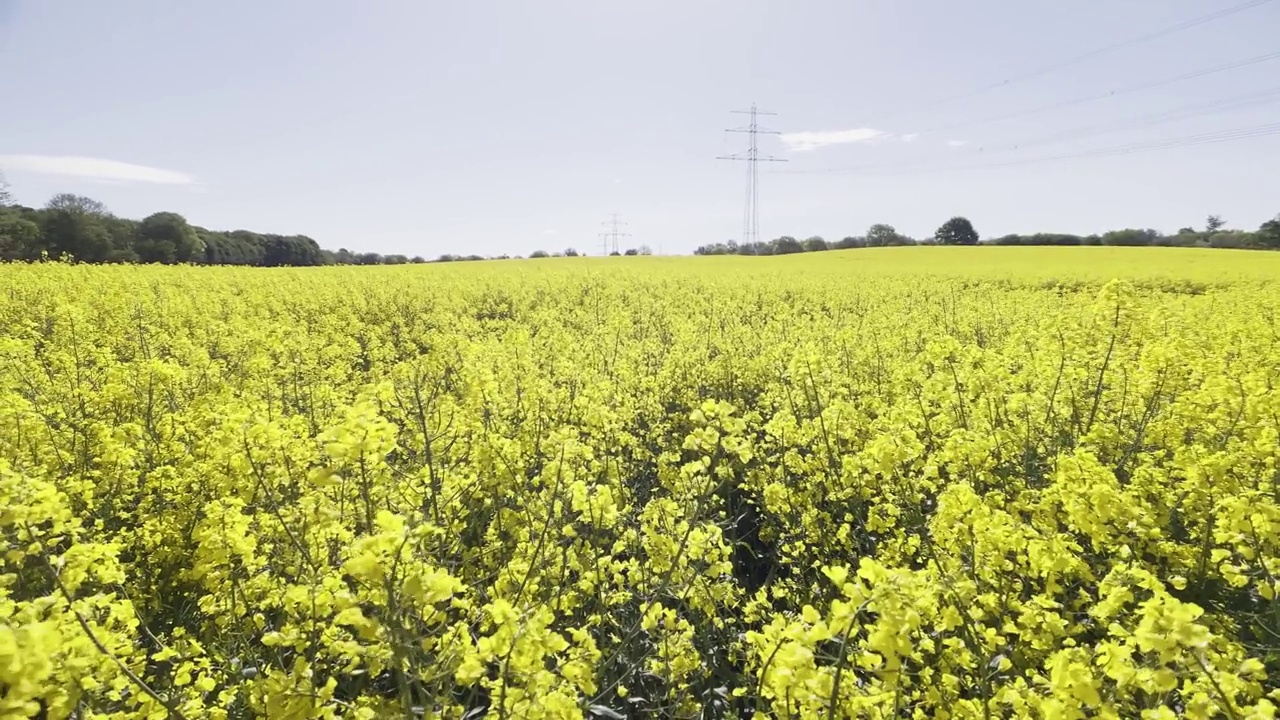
(609,239)
(751,210)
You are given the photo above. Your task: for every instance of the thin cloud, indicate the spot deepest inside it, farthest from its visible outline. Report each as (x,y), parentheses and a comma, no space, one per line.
(909,137)
(806,141)
(94,169)
(957,143)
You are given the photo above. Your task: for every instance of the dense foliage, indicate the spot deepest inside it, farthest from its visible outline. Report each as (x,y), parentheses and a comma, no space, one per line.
(84,230)
(960,231)
(946,482)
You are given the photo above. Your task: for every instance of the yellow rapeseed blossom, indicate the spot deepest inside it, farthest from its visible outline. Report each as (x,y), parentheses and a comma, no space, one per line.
(898,483)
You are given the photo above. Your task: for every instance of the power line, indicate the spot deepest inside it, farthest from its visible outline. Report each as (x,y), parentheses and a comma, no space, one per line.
(1243,133)
(1178,113)
(1045,70)
(1110,94)
(751,208)
(609,239)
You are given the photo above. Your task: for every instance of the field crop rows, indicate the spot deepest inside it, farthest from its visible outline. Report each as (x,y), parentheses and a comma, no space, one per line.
(968,483)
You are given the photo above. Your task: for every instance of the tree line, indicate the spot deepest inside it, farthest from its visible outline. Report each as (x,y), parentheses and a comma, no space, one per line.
(81,228)
(78,227)
(960,231)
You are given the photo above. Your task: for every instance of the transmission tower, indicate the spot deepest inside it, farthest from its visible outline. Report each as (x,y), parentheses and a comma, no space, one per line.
(609,238)
(751,211)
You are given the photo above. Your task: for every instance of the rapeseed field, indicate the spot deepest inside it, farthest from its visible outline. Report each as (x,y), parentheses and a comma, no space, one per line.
(892,483)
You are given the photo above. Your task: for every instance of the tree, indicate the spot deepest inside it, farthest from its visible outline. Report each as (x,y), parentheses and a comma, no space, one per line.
(539,254)
(1213,224)
(644,250)
(631,252)
(165,237)
(570,252)
(19,237)
(785,245)
(815,243)
(121,234)
(1235,239)
(76,203)
(957,231)
(76,225)
(881,235)
(239,247)
(294,250)
(1268,235)
(849,242)
(1131,237)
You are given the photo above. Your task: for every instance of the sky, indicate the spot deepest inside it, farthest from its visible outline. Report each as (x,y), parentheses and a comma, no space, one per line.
(508,126)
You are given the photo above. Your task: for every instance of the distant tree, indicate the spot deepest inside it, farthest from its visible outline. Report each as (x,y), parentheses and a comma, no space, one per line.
(1268,234)
(849,242)
(1235,239)
(881,235)
(729,248)
(165,237)
(570,252)
(957,231)
(785,245)
(76,225)
(631,252)
(1213,224)
(1186,237)
(76,203)
(19,237)
(644,250)
(417,260)
(239,247)
(122,234)
(1131,237)
(815,243)
(615,253)
(395,259)
(539,254)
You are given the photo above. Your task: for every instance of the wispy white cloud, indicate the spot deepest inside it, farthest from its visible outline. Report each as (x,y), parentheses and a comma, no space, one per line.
(957,143)
(94,169)
(805,141)
(909,137)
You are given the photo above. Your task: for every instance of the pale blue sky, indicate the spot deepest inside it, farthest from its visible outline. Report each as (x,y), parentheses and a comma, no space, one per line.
(502,126)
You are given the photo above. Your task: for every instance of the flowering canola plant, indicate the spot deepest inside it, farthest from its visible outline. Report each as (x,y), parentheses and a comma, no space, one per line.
(910,483)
